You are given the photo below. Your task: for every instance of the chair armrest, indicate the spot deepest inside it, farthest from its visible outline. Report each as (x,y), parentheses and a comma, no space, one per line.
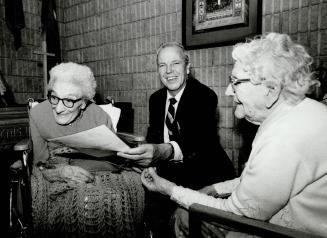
(198,213)
(22,145)
(131,139)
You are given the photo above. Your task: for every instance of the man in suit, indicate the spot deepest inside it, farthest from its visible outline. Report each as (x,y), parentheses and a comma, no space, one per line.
(182,131)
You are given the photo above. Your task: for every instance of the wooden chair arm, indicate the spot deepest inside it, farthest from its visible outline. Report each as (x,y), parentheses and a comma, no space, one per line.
(24,144)
(198,213)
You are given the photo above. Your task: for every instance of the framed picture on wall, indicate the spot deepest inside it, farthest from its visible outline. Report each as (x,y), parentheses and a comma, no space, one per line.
(209,23)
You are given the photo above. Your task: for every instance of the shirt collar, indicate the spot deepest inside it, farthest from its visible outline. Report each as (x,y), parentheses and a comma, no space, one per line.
(178,95)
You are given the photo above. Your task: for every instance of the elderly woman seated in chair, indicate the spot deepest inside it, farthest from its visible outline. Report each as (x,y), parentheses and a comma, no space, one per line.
(285,179)
(74,195)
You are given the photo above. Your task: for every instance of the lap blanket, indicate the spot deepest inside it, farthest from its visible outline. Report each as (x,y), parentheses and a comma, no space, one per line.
(112,206)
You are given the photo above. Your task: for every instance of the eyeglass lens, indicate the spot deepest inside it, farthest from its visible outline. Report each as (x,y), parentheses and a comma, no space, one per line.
(67,102)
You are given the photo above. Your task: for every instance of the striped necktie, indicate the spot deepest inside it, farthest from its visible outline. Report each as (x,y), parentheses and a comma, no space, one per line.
(170,120)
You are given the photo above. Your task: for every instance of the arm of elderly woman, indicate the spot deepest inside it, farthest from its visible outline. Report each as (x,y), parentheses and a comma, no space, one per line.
(155,183)
(59,172)
(251,197)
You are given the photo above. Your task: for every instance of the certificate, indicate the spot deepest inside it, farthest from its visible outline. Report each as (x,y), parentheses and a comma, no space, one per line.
(99,142)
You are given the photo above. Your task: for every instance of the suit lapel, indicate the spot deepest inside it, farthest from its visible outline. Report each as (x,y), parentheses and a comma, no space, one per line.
(160,113)
(184,102)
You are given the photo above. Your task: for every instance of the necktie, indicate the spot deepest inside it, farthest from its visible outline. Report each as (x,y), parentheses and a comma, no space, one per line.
(170,120)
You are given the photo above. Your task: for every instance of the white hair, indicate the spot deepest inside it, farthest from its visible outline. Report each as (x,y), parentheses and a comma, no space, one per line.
(276,58)
(79,75)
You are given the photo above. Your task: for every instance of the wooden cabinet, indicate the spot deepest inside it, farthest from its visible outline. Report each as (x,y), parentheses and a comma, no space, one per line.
(13,127)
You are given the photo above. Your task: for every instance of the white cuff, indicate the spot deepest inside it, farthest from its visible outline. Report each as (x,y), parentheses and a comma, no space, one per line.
(178,155)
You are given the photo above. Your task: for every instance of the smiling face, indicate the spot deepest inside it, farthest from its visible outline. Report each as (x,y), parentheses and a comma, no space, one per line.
(172,69)
(62,114)
(250,99)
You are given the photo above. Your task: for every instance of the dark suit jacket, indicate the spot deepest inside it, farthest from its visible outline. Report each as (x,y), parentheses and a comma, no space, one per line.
(205,162)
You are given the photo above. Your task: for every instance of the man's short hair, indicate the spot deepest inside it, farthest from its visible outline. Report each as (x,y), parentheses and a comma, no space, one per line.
(174,44)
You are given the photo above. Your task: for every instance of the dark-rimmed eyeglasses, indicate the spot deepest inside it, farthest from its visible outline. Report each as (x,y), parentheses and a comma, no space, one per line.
(234,81)
(54,100)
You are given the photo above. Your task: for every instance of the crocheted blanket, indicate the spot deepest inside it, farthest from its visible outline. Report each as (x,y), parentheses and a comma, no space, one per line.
(111,206)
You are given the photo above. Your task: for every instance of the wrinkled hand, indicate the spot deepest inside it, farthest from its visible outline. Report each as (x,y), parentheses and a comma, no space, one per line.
(141,155)
(148,154)
(75,174)
(153,182)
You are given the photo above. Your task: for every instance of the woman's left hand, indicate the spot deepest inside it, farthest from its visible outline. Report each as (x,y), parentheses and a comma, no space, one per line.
(153,182)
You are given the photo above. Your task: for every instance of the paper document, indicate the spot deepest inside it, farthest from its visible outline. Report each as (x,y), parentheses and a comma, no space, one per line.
(113,112)
(99,141)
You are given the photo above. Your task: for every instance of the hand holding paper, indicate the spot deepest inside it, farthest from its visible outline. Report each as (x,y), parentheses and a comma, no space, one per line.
(148,154)
(141,155)
(99,142)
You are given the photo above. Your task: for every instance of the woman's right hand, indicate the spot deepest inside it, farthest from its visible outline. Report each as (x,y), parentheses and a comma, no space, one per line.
(75,174)
(69,174)
(153,182)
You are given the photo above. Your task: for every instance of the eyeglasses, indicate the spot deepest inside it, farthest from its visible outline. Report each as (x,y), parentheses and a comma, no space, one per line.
(234,81)
(54,100)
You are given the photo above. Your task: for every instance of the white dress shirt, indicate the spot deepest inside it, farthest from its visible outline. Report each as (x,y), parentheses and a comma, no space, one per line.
(178,155)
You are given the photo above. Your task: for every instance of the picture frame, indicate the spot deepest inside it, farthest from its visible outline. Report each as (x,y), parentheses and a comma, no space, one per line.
(211,23)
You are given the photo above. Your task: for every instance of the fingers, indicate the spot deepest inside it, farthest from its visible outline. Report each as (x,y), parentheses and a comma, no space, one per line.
(76,174)
(152,171)
(135,151)
(83,178)
(73,183)
(82,175)
(144,151)
(137,170)
(85,174)
(147,176)
(142,162)
(147,180)
(130,156)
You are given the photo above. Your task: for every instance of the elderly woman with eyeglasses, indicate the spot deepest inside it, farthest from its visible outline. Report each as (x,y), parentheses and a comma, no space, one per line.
(74,194)
(285,179)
